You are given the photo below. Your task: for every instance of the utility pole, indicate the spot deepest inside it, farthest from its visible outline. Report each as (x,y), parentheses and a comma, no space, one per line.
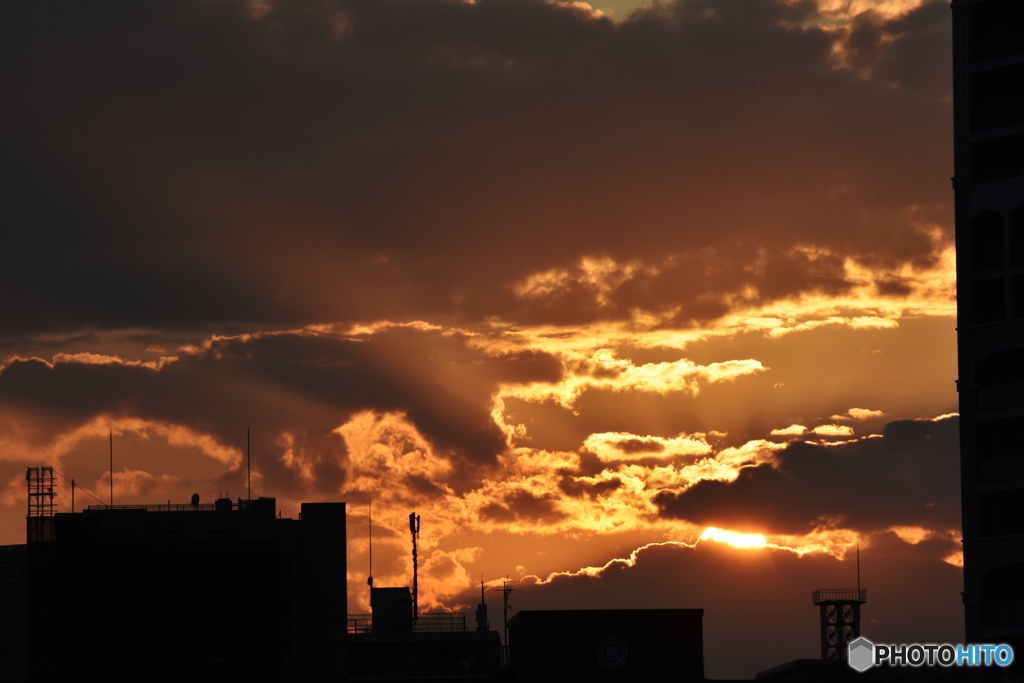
(505,591)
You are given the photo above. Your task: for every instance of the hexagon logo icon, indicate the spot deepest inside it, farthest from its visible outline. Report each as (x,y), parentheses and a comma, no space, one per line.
(860,654)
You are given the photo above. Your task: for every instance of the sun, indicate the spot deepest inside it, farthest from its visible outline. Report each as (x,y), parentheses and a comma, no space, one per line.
(734,539)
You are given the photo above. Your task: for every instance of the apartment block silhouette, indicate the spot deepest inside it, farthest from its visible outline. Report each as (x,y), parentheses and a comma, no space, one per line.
(988,84)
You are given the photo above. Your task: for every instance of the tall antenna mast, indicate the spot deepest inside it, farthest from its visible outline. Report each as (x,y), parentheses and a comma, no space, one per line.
(111,468)
(481,609)
(248,463)
(414,527)
(858,566)
(369,514)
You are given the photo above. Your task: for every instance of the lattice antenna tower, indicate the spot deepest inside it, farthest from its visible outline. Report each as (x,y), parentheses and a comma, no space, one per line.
(840,616)
(42,489)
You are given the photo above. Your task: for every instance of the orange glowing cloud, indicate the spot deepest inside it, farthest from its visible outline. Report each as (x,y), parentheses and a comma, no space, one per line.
(918,534)
(859,414)
(604,370)
(131,484)
(386,455)
(599,275)
(90,358)
(100,426)
(791,430)
(617,446)
(955,558)
(846,9)
(833,430)
(873,297)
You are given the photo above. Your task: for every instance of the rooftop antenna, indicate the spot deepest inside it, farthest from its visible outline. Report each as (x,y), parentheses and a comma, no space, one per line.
(369,514)
(481,610)
(414,527)
(248,463)
(858,566)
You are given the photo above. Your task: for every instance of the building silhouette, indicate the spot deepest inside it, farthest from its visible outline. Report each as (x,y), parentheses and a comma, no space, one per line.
(394,643)
(605,645)
(189,592)
(231,591)
(988,88)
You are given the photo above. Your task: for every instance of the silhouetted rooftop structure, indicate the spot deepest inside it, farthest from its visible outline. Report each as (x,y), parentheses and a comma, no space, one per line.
(393,644)
(230,591)
(607,645)
(190,592)
(814,670)
(840,618)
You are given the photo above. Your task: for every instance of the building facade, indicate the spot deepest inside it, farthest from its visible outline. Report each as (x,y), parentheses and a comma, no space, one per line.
(988,88)
(607,645)
(226,591)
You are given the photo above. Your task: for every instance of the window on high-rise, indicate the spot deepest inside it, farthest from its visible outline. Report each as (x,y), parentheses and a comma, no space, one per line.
(1000,380)
(1017,236)
(988,300)
(987,241)
(1017,296)
(1003,596)
(1000,450)
(996,158)
(996,29)
(1001,513)
(997,97)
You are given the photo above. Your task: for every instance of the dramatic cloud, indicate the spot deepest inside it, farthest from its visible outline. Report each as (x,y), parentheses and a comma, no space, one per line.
(203,163)
(912,466)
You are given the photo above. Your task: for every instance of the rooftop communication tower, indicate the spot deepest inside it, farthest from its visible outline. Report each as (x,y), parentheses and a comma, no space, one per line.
(42,489)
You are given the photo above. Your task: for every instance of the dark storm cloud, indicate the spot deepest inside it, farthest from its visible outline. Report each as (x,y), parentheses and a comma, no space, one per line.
(188,163)
(634,446)
(575,488)
(703,285)
(912,468)
(901,51)
(524,505)
(301,384)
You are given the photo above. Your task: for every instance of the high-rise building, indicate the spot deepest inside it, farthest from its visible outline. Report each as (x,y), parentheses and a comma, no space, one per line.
(988,88)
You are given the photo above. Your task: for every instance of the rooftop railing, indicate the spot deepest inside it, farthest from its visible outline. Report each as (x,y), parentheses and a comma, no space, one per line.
(427,622)
(159,507)
(839,595)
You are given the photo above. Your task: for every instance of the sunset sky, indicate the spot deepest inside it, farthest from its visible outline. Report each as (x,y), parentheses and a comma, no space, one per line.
(592,288)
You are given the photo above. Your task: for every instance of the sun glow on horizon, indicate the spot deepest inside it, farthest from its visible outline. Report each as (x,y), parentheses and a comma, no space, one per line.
(734,539)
